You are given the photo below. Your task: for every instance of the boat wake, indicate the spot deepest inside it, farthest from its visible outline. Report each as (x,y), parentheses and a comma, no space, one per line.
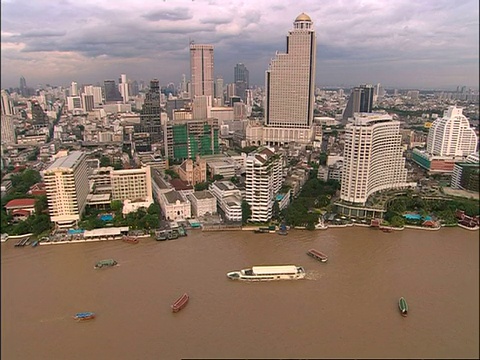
(59,318)
(313,275)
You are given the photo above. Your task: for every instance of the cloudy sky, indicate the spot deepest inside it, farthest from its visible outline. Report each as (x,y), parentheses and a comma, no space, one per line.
(399,43)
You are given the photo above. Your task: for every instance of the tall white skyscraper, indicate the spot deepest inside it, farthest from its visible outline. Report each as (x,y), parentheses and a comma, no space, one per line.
(7,104)
(74,89)
(290,86)
(201,70)
(373,159)
(452,135)
(123,87)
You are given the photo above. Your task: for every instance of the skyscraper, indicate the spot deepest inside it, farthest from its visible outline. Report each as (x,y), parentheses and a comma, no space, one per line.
(360,100)
(150,115)
(241,80)
(23,86)
(373,159)
(289,84)
(111,91)
(73,89)
(201,69)
(123,87)
(7,103)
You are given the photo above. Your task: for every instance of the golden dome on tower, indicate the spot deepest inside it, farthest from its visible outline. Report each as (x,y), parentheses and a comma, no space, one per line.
(303,17)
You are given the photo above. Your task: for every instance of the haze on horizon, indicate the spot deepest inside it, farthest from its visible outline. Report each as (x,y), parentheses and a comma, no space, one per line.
(403,43)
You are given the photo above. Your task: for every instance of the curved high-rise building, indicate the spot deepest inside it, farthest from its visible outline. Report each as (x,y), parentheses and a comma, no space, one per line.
(373,159)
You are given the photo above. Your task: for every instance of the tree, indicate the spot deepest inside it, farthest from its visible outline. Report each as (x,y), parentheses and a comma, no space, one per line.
(201,186)
(105,161)
(41,204)
(117,206)
(246,211)
(276,211)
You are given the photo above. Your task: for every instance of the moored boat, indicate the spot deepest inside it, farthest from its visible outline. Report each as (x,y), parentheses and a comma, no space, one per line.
(317,255)
(84,316)
(265,273)
(105,263)
(130,239)
(386,229)
(180,303)
(161,236)
(35,243)
(283,230)
(403,306)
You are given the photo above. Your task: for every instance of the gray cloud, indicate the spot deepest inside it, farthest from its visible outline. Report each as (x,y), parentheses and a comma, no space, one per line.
(429,41)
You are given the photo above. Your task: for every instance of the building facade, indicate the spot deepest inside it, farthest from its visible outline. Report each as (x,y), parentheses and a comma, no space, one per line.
(373,159)
(263,181)
(66,183)
(132,184)
(201,70)
(290,85)
(229,199)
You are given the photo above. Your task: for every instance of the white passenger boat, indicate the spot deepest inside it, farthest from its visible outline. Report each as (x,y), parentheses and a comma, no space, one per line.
(264,273)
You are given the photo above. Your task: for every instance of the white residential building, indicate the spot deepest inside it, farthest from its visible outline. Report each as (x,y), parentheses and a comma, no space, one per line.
(452,135)
(203,202)
(66,182)
(229,199)
(373,159)
(263,181)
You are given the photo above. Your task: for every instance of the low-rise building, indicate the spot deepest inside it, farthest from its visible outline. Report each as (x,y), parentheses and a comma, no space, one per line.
(203,202)
(175,206)
(229,199)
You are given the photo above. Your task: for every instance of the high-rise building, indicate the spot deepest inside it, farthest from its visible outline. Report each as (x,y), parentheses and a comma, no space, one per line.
(241,80)
(7,103)
(96,91)
(150,115)
(74,89)
(23,86)
(263,181)
(132,184)
(290,85)
(219,90)
(360,101)
(66,182)
(39,117)
(452,135)
(88,102)
(124,88)
(373,159)
(201,69)
(111,91)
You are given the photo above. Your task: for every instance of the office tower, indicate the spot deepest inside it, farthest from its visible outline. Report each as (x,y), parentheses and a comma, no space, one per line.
(7,103)
(96,92)
(133,88)
(263,169)
(290,85)
(23,86)
(202,106)
(124,88)
(88,102)
(219,90)
(111,91)
(379,92)
(241,80)
(73,89)
(7,127)
(201,69)
(183,84)
(360,100)
(373,159)
(66,182)
(452,135)
(150,115)
(74,102)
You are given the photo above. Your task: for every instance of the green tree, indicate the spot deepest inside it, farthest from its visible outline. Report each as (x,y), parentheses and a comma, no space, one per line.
(246,211)
(41,204)
(201,186)
(105,161)
(117,206)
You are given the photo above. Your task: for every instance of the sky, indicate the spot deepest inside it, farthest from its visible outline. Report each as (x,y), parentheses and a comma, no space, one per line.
(424,44)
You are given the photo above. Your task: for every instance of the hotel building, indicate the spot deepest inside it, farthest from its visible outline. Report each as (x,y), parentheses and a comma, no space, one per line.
(373,159)
(66,182)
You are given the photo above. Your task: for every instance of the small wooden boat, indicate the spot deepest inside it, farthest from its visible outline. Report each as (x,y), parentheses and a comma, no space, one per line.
(105,263)
(283,230)
(317,255)
(84,316)
(35,243)
(180,303)
(403,306)
(130,239)
(386,230)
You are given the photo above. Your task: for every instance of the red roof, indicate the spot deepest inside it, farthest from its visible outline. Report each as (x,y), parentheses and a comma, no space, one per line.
(21,212)
(19,203)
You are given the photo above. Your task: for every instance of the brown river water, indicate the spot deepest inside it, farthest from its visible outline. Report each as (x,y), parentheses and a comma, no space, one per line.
(345,308)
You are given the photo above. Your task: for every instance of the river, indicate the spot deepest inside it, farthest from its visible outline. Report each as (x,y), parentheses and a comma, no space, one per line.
(345,308)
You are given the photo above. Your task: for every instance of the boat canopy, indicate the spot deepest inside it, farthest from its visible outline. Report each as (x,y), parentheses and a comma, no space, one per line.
(281,269)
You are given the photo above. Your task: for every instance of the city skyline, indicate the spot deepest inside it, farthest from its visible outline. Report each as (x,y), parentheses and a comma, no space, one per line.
(429,44)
